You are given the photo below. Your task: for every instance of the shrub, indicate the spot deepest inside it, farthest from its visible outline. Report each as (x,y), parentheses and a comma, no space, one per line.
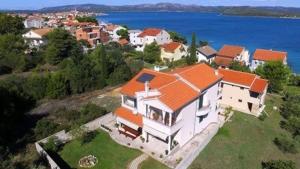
(262,117)
(44,128)
(278,164)
(161,156)
(88,137)
(52,144)
(285,145)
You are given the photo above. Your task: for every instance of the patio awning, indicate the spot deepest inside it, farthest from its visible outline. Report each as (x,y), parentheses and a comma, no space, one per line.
(155,132)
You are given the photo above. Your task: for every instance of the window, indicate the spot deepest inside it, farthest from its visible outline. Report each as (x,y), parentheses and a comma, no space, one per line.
(200,105)
(240,100)
(201,118)
(222,85)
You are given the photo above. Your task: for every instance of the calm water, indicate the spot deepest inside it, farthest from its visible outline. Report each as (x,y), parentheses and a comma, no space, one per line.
(251,32)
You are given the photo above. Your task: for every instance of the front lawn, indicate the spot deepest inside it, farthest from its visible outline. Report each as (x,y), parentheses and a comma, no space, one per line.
(110,155)
(150,163)
(245,142)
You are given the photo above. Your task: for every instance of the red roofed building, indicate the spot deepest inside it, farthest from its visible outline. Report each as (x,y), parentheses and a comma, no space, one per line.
(242,91)
(173,51)
(170,107)
(151,35)
(261,56)
(89,34)
(230,53)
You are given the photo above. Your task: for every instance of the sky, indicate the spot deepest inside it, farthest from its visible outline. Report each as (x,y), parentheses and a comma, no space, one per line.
(37,4)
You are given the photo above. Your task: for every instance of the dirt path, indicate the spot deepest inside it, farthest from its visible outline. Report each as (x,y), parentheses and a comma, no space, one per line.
(72,102)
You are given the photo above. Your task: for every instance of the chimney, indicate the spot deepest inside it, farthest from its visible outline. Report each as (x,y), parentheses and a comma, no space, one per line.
(216,72)
(147,88)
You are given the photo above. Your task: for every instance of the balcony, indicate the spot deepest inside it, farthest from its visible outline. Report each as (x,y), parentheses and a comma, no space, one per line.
(161,127)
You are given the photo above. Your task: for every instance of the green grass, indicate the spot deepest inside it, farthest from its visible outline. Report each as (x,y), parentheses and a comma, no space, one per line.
(150,163)
(110,155)
(245,142)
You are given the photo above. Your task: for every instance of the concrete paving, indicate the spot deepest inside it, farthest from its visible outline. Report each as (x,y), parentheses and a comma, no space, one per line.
(137,161)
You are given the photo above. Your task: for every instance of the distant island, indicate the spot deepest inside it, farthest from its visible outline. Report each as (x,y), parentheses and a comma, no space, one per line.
(285,12)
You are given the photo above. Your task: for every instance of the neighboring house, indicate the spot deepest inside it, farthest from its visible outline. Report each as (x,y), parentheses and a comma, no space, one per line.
(151,35)
(90,34)
(173,51)
(36,37)
(261,56)
(34,22)
(242,91)
(123,42)
(135,41)
(169,108)
(112,30)
(206,53)
(230,53)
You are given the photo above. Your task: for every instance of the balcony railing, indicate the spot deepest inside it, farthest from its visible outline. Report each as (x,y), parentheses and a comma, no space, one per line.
(162,127)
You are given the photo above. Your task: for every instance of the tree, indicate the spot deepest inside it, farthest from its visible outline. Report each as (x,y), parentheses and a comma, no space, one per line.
(12,52)
(57,86)
(36,86)
(11,24)
(278,164)
(235,65)
(285,145)
(177,37)
(100,57)
(61,45)
(119,75)
(276,72)
(123,33)
(87,19)
(192,57)
(203,43)
(152,53)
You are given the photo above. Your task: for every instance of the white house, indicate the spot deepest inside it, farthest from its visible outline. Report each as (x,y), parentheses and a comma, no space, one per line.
(229,53)
(133,36)
(169,108)
(34,22)
(112,30)
(242,91)
(35,37)
(151,35)
(261,56)
(206,53)
(173,51)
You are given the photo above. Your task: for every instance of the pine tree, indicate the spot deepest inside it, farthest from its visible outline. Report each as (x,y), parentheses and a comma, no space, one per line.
(192,58)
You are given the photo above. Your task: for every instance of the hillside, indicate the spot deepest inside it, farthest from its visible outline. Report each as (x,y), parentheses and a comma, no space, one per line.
(237,10)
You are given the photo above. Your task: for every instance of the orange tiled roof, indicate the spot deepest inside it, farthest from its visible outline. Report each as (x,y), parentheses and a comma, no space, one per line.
(254,82)
(237,77)
(111,27)
(171,47)
(200,75)
(129,116)
(177,94)
(123,42)
(150,32)
(230,51)
(223,61)
(259,85)
(160,80)
(43,31)
(269,55)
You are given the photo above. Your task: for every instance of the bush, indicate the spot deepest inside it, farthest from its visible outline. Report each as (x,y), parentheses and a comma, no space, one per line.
(278,164)
(263,116)
(44,128)
(285,145)
(88,137)
(52,145)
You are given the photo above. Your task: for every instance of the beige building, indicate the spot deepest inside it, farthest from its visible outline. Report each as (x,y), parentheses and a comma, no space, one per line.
(173,51)
(242,91)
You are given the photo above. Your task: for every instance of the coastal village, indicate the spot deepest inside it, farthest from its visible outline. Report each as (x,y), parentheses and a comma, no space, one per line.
(169,113)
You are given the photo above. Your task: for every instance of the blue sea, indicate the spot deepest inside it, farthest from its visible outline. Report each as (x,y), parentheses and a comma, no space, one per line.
(251,32)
